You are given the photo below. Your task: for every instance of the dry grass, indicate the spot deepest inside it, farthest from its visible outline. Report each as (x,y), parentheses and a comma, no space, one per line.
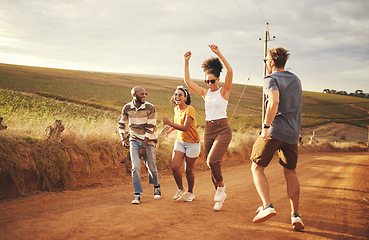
(90,152)
(326,146)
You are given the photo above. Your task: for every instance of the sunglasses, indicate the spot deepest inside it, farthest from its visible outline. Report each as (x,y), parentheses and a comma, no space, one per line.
(178,94)
(212,81)
(266,59)
(143,93)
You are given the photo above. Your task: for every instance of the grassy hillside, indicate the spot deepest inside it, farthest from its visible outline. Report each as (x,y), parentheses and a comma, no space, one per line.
(89,104)
(111,91)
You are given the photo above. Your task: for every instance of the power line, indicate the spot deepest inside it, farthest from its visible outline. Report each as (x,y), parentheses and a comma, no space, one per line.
(244,15)
(315,71)
(244,88)
(266,39)
(260,11)
(296,52)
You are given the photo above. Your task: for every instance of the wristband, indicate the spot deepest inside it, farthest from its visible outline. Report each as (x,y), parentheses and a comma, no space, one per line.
(265,126)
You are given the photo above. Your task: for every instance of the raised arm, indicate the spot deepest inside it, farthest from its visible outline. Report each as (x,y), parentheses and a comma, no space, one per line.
(183,128)
(192,85)
(229,76)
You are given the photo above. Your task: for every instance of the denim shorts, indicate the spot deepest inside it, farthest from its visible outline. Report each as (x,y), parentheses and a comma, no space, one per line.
(192,150)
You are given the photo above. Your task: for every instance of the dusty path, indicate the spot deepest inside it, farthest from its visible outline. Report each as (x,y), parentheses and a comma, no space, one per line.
(334,205)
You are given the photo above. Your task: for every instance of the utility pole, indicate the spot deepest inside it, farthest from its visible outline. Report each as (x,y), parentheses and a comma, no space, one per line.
(265,40)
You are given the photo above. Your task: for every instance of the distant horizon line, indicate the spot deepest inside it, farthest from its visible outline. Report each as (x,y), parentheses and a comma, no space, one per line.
(143,75)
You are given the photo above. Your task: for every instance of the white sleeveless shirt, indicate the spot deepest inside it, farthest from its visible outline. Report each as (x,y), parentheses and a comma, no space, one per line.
(215,106)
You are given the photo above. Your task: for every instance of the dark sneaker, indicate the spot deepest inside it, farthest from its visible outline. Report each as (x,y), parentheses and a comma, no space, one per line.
(264,213)
(157,193)
(297,222)
(136,199)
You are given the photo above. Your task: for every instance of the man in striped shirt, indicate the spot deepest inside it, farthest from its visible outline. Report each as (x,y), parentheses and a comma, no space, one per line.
(140,116)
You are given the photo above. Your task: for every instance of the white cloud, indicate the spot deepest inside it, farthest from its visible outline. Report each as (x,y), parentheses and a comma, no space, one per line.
(328,40)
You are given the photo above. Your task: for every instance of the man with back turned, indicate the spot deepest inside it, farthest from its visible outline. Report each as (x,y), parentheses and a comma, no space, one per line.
(280,132)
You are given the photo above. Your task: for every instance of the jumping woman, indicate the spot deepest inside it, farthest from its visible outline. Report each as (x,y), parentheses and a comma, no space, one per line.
(218,133)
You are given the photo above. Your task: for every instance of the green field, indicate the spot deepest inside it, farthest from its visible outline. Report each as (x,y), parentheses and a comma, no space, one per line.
(89,105)
(111,91)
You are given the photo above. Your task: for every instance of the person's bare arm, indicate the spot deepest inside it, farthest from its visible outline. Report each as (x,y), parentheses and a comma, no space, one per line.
(187,79)
(226,89)
(271,111)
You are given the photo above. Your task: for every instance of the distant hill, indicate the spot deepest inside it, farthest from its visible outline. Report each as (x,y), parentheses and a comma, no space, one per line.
(112,90)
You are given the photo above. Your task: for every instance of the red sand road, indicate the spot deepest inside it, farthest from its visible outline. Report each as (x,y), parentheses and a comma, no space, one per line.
(334,205)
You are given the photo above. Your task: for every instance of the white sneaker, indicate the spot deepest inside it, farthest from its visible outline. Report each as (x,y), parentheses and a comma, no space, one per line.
(264,213)
(179,194)
(218,205)
(297,222)
(136,199)
(189,197)
(219,196)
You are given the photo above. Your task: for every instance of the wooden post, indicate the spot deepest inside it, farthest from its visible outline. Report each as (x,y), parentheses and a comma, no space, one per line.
(2,127)
(53,133)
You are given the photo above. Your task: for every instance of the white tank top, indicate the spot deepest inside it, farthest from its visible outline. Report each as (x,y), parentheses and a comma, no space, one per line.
(215,106)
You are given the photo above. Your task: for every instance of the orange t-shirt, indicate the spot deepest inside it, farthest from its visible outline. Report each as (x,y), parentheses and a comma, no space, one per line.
(180,117)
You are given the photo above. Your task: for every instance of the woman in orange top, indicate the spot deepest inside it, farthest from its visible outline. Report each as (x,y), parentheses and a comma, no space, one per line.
(187,145)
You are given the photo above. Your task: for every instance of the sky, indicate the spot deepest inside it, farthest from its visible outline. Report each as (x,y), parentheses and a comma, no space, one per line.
(328,40)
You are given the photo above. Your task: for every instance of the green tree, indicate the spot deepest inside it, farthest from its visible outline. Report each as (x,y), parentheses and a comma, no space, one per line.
(360,93)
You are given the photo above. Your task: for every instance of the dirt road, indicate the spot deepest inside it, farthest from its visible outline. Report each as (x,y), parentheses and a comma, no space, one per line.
(334,205)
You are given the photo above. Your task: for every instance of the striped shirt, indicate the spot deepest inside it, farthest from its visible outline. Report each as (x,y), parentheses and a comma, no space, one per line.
(141,122)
